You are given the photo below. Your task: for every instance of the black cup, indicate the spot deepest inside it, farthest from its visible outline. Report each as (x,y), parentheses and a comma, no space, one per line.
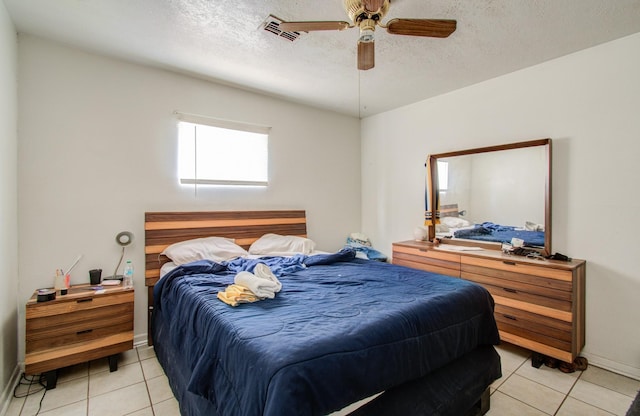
(95,276)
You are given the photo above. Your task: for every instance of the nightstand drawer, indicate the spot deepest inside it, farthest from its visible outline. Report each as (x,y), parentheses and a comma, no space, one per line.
(77,303)
(57,330)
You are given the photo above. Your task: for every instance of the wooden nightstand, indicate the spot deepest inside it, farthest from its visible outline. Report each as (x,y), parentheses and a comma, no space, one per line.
(77,327)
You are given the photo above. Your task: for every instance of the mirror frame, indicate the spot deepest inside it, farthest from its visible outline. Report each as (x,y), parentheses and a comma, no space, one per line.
(434,190)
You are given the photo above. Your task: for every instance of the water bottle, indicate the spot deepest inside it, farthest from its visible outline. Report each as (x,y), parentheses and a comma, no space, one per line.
(127,277)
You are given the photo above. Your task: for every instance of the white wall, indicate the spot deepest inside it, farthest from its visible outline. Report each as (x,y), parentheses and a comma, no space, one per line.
(98,148)
(8,205)
(588,104)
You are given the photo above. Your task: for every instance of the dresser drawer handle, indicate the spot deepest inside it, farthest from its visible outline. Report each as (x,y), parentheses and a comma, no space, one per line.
(513,318)
(84,300)
(509,263)
(508,289)
(86,331)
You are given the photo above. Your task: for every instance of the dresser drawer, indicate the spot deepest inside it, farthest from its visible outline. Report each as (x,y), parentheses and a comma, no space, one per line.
(428,260)
(539,324)
(524,329)
(506,289)
(517,268)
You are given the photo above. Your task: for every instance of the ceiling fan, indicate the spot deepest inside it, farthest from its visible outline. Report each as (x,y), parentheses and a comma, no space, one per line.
(366,15)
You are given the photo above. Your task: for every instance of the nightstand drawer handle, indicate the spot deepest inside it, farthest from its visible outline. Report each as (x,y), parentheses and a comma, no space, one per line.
(507,289)
(513,318)
(86,331)
(510,263)
(85,300)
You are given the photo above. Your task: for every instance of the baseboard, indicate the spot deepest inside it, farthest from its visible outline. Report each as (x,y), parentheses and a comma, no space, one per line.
(140,340)
(616,367)
(7,393)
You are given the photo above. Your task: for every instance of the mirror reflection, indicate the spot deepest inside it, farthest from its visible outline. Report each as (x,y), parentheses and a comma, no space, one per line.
(494,196)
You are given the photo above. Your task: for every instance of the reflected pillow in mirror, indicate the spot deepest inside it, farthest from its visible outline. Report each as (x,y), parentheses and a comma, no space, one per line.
(532,226)
(217,249)
(455,222)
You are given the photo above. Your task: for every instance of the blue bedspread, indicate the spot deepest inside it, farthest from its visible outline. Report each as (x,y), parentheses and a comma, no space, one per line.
(340,330)
(488,231)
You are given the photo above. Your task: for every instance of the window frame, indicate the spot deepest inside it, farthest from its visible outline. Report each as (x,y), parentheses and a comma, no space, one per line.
(223,124)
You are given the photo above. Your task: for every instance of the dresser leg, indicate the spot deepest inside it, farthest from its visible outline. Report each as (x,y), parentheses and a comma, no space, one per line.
(51,379)
(537,359)
(113,363)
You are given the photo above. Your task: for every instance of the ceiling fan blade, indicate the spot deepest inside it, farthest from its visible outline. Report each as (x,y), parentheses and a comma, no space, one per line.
(373,5)
(311,26)
(434,28)
(366,55)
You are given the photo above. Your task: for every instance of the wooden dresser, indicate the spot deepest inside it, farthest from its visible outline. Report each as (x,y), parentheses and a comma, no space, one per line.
(539,304)
(80,326)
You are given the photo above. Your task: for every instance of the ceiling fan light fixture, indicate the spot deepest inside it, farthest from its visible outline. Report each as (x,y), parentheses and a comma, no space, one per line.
(367,31)
(366,36)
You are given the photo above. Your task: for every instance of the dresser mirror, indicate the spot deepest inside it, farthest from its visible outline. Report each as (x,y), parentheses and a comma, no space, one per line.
(492,194)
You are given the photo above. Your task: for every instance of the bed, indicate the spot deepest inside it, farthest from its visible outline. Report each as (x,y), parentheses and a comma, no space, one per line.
(341,329)
(452,225)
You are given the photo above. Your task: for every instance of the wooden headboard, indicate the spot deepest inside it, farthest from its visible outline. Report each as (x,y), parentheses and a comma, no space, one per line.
(162,229)
(450,210)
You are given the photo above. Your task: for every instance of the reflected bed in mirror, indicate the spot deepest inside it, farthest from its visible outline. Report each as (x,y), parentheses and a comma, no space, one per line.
(490,195)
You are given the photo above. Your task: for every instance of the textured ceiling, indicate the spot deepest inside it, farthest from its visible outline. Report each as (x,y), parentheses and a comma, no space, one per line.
(223,40)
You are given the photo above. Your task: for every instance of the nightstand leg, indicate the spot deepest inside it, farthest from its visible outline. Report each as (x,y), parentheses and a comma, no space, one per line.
(113,363)
(51,379)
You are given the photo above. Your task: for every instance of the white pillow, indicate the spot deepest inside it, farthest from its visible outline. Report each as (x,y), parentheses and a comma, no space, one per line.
(209,248)
(532,226)
(166,268)
(455,222)
(282,245)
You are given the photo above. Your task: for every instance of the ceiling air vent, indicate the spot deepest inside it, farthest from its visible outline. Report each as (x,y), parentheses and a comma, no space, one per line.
(272,25)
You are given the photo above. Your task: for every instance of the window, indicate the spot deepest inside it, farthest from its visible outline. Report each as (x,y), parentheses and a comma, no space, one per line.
(219,152)
(443,175)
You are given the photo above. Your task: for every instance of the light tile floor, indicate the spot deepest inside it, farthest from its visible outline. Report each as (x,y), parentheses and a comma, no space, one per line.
(140,388)
(527,391)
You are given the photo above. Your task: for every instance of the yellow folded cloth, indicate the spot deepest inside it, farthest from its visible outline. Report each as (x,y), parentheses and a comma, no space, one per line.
(236,294)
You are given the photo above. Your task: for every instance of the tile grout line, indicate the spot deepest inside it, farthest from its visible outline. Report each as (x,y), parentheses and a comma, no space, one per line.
(566,396)
(526,361)
(88,385)
(146,385)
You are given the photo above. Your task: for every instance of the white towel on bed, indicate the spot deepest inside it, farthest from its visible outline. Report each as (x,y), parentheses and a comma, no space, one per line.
(262,282)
